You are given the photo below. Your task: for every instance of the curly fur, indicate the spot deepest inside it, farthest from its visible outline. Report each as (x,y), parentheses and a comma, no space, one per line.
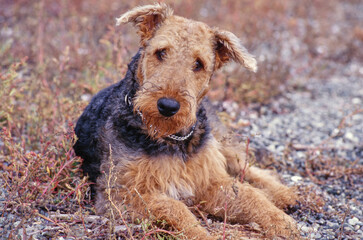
(126,145)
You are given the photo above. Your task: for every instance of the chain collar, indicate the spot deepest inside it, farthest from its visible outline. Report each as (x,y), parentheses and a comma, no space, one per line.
(171,136)
(179,138)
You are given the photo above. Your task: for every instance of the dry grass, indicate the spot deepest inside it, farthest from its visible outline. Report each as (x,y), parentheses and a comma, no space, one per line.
(55,55)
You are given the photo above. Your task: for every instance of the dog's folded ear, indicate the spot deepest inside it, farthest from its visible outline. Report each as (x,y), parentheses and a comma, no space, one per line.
(147,18)
(229,47)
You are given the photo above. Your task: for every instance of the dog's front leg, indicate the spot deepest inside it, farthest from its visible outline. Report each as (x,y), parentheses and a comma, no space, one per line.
(282,196)
(175,213)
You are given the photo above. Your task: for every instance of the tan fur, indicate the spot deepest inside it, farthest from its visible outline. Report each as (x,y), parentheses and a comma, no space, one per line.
(231,48)
(157,187)
(146,18)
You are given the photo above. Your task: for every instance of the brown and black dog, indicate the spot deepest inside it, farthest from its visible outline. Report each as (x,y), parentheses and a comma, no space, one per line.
(150,142)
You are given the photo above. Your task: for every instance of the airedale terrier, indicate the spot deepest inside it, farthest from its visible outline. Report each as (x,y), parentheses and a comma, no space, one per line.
(151,144)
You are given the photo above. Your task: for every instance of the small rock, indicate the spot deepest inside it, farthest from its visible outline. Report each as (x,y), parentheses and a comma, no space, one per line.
(333,225)
(335,132)
(317,236)
(356,101)
(301,155)
(353,221)
(20,233)
(350,136)
(306,229)
(271,148)
(120,228)
(348,228)
(296,178)
(280,148)
(86,97)
(243,123)
(16,223)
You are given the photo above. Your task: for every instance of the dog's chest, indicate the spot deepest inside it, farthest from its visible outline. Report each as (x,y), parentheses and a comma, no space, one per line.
(188,179)
(180,191)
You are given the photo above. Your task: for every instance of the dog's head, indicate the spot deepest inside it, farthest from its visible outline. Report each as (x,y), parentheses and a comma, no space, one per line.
(177,61)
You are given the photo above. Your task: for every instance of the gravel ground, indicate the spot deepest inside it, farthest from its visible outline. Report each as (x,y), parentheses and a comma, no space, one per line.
(322,122)
(314,131)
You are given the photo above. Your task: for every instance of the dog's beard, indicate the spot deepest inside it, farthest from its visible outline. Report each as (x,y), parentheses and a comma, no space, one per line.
(159,126)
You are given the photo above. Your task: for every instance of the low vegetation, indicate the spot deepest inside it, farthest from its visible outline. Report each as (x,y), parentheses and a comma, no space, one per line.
(55,55)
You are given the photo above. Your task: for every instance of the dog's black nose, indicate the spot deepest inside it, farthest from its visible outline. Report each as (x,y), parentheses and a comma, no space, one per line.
(168,106)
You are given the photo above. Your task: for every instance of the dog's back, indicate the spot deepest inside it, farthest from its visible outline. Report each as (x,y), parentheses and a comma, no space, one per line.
(88,125)
(93,120)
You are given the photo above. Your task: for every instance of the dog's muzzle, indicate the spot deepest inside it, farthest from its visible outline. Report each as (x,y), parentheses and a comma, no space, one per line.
(176,107)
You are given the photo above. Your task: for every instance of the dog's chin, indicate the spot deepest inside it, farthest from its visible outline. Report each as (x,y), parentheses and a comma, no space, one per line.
(159,127)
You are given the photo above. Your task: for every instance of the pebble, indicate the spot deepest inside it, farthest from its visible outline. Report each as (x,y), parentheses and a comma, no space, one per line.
(316,235)
(335,132)
(301,155)
(296,178)
(306,229)
(333,225)
(356,101)
(350,136)
(353,221)
(86,97)
(120,228)
(16,223)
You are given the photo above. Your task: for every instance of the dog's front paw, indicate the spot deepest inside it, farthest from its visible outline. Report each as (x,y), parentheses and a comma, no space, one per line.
(199,233)
(282,225)
(284,197)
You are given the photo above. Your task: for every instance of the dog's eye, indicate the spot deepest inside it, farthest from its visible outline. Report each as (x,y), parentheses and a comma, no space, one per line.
(198,65)
(160,54)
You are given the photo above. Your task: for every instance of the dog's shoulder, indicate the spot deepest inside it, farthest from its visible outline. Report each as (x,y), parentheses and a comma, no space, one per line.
(108,101)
